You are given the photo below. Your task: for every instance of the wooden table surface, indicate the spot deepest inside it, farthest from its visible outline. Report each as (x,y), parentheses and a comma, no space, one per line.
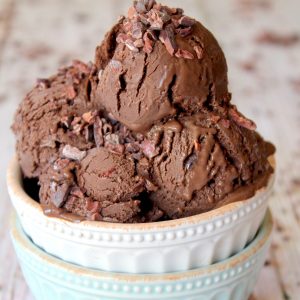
(261,42)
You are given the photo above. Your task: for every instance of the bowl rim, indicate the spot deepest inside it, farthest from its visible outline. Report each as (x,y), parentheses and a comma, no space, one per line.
(15,188)
(24,243)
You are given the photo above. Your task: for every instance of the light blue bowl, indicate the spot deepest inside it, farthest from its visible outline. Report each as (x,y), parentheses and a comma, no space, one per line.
(53,279)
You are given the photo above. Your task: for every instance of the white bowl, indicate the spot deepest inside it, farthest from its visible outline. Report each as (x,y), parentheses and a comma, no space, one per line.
(160,247)
(53,279)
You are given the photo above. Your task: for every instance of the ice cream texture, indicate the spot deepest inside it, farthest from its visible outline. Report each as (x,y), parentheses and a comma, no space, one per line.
(147,132)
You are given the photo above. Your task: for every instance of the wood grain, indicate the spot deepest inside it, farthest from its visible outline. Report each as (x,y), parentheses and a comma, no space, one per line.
(264,79)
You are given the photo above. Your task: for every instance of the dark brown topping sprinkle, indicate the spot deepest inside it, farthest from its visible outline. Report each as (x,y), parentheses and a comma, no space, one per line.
(149,43)
(77,192)
(43,83)
(199,51)
(149,149)
(190,161)
(149,21)
(168,39)
(73,153)
(137,30)
(241,120)
(88,117)
(81,66)
(187,21)
(59,193)
(184,54)
(130,45)
(98,136)
(139,43)
(93,206)
(184,32)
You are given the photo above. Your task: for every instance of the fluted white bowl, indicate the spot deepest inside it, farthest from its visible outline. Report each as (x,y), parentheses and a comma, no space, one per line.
(159,247)
(53,279)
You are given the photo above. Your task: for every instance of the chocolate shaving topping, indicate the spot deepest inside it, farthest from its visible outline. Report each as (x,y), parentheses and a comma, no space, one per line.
(98,135)
(184,54)
(190,161)
(148,46)
(130,45)
(73,153)
(140,7)
(88,117)
(139,43)
(149,149)
(167,38)
(59,193)
(81,66)
(241,120)
(187,21)
(148,21)
(76,191)
(199,51)
(137,30)
(184,32)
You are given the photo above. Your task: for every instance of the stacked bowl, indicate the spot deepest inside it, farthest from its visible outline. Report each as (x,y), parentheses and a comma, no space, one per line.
(213,256)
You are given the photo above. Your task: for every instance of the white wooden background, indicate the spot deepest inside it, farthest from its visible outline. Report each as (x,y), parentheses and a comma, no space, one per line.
(37,36)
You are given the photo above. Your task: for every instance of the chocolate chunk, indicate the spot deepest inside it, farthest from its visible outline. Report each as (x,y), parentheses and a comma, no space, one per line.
(81,66)
(59,193)
(167,38)
(199,51)
(98,135)
(184,32)
(187,21)
(73,153)
(149,149)
(139,43)
(241,120)
(140,7)
(137,30)
(148,46)
(180,53)
(130,45)
(88,117)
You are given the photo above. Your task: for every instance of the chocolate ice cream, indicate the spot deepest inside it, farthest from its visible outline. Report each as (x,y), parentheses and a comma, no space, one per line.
(147,133)
(162,63)
(46,119)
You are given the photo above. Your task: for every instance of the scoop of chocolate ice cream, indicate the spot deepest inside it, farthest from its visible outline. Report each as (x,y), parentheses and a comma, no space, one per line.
(148,133)
(109,177)
(157,64)
(46,118)
(200,163)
